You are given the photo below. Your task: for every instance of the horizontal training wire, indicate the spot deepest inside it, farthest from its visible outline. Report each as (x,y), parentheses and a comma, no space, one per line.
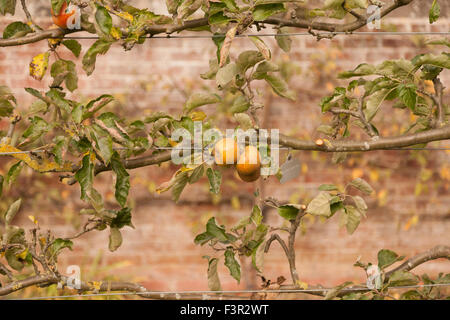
(271,35)
(206,292)
(198,149)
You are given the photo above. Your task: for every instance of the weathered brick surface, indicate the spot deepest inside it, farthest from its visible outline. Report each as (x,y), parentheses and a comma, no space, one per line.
(160,249)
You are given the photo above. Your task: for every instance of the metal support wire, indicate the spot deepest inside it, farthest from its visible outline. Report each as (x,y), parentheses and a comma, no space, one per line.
(197,149)
(294,34)
(205,293)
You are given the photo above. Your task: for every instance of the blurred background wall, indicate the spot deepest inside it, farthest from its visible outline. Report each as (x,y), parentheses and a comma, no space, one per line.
(408,214)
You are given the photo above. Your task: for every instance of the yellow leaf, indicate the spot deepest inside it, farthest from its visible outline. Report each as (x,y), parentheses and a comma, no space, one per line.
(302,285)
(445,172)
(172,143)
(151,187)
(304,168)
(382,197)
(53,43)
(125,16)
(43,165)
(198,116)
(357,173)
(235,203)
(374,175)
(23,254)
(116,33)
(96,284)
(33,219)
(39,65)
(411,222)
(42,240)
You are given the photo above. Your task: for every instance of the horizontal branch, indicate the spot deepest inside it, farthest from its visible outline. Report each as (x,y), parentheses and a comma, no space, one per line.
(387,143)
(391,143)
(333,27)
(117,287)
(28,282)
(432,254)
(197,23)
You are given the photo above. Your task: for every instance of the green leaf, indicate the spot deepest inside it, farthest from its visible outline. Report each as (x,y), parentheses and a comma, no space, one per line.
(180,182)
(408,95)
(361,185)
(57,4)
(360,203)
(16,29)
(37,128)
(12,210)
(289,211)
(73,45)
(263,11)
(240,104)
(213,276)
(215,179)
(402,278)
(60,143)
(363,69)
(197,174)
(374,102)
(435,11)
(115,239)
(242,223)
(6,108)
(280,87)
(263,68)
(356,4)
(387,257)
(283,40)
(320,205)
(328,187)
(57,98)
(85,176)
(244,120)
(104,143)
(353,218)
(122,219)
(7,6)
(64,70)
(256,215)
(258,256)
(232,265)
(103,19)
(262,47)
(13,260)
(411,295)
(332,293)
(214,230)
(59,244)
(248,59)
(226,74)
(14,172)
(438,60)
(122,180)
(99,47)
(231,5)
(203,238)
(200,99)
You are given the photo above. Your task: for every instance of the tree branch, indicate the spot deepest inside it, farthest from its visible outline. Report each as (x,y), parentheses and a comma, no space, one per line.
(432,254)
(195,23)
(387,143)
(439,100)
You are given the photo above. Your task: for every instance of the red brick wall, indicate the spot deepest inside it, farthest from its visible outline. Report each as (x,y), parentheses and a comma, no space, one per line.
(160,251)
